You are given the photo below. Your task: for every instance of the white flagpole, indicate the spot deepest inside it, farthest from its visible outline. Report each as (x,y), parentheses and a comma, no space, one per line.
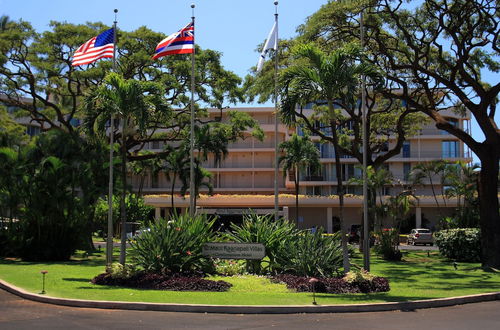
(366,231)
(192,192)
(276,118)
(109,240)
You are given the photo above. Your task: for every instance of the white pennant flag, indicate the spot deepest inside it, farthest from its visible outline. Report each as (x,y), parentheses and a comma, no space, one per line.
(271,43)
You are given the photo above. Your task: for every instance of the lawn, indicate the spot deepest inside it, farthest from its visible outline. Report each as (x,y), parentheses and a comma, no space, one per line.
(418,276)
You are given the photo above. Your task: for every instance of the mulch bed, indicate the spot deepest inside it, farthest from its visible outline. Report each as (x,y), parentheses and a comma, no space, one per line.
(332,285)
(174,282)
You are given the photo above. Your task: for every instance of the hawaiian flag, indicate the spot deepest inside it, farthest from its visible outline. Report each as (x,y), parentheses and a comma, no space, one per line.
(181,42)
(96,48)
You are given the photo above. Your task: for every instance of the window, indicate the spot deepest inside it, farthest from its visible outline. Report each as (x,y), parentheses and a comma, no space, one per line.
(449,149)
(406,149)
(313,190)
(452,121)
(32,130)
(406,171)
(154,180)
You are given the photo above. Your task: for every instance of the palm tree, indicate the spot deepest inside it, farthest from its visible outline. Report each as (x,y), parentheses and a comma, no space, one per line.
(200,174)
(319,76)
(176,163)
(4,22)
(429,170)
(461,180)
(299,154)
(377,179)
(133,100)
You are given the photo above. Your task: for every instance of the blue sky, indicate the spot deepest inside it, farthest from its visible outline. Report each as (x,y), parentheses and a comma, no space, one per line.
(232,27)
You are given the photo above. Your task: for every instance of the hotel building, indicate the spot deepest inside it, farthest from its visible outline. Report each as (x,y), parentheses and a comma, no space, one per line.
(244,180)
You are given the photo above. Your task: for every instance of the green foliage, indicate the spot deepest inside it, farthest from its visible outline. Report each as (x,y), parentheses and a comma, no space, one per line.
(52,187)
(262,229)
(388,242)
(119,271)
(174,246)
(309,254)
(358,276)
(229,267)
(461,244)
(135,209)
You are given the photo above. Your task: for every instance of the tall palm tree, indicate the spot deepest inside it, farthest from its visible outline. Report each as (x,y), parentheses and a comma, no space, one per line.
(314,76)
(299,154)
(133,101)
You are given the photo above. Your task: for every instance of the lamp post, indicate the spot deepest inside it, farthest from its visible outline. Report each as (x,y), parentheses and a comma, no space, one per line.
(43,272)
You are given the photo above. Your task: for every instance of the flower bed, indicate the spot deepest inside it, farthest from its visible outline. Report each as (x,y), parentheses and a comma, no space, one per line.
(173,282)
(333,285)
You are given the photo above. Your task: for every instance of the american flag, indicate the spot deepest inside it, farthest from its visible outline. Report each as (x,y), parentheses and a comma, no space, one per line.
(96,48)
(181,42)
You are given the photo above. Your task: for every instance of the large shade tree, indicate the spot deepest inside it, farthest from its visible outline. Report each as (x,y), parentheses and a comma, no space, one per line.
(436,56)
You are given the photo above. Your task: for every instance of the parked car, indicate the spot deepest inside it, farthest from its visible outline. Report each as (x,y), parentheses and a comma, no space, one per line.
(420,236)
(133,235)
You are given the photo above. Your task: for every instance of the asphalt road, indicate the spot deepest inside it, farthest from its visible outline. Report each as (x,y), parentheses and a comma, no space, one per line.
(17,313)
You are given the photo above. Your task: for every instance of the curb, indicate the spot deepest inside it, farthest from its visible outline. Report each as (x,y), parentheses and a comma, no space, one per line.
(247,309)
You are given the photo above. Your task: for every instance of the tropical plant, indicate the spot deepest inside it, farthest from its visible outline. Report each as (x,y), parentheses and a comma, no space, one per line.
(430,171)
(265,230)
(299,154)
(174,246)
(175,165)
(316,75)
(377,180)
(399,205)
(200,180)
(133,101)
(461,182)
(310,254)
(136,210)
(388,242)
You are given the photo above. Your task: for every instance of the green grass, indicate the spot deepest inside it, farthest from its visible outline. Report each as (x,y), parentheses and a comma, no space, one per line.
(417,277)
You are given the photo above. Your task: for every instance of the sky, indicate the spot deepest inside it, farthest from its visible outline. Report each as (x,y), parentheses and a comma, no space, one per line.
(232,27)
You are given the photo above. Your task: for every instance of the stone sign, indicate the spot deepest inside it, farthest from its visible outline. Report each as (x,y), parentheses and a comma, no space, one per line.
(234,250)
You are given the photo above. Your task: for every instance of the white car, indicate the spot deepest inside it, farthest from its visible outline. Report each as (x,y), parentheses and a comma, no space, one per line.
(420,236)
(137,233)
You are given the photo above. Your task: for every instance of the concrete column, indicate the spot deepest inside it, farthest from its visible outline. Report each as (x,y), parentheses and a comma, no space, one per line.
(418,217)
(329,220)
(157,213)
(285,212)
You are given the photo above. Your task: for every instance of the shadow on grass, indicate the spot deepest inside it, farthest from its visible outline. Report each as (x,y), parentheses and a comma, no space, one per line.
(85,280)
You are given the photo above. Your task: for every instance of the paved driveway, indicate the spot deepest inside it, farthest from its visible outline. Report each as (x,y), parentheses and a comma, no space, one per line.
(17,313)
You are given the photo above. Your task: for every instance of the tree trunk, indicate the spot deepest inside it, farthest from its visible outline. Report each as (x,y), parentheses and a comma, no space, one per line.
(172,195)
(123,244)
(488,209)
(340,192)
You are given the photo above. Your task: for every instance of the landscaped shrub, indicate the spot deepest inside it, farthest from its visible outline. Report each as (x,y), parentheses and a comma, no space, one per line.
(262,229)
(229,267)
(309,254)
(461,244)
(388,240)
(174,246)
(352,284)
(158,281)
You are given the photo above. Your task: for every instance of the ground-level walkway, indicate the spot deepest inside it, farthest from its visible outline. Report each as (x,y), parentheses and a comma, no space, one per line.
(17,313)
